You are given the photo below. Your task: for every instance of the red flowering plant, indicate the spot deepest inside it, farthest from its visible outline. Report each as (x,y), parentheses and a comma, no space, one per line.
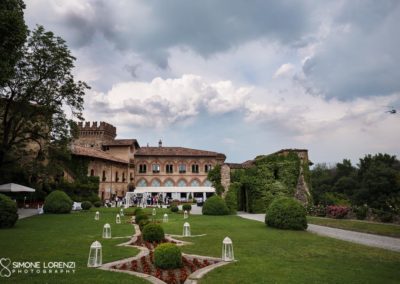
(337,212)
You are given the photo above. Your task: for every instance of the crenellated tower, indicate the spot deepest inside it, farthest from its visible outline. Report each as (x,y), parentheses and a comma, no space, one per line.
(94,135)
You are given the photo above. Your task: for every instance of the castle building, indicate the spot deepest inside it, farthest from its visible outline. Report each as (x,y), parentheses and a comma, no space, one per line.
(122,165)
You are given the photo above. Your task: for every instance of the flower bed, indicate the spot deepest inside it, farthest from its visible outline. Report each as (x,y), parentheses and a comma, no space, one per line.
(178,276)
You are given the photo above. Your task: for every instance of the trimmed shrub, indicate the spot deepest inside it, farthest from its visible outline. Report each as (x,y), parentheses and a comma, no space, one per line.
(174,208)
(153,233)
(8,212)
(167,256)
(337,212)
(361,212)
(186,207)
(286,213)
(137,211)
(215,205)
(97,204)
(86,205)
(57,202)
(140,217)
(143,223)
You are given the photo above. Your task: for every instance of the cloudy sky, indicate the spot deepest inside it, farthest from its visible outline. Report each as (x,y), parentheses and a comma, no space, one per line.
(239,77)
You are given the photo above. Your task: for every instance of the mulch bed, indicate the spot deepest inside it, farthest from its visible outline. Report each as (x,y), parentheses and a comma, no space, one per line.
(171,276)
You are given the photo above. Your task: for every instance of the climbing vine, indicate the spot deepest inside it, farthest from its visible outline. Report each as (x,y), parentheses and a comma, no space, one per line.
(271,176)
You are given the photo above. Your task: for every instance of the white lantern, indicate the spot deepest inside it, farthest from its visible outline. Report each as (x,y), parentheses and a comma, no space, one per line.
(95,255)
(154,212)
(121,212)
(227,250)
(185,214)
(107,231)
(186,229)
(118,219)
(165,218)
(97,216)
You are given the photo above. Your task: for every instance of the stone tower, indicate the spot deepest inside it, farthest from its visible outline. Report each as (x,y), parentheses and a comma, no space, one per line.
(95,135)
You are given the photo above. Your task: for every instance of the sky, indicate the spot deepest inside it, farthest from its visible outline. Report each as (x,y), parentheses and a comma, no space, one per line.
(243,78)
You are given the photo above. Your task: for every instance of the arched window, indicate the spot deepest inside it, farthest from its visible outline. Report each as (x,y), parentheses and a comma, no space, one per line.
(104,176)
(123,176)
(182,168)
(116,176)
(207,183)
(195,183)
(155,183)
(169,183)
(195,168)
(182,183)
(207,168)
(169,169)
(142,183)
(142,168)
(91,172)
(156,168)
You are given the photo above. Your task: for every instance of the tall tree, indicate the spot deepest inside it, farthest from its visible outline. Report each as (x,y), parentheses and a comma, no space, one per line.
(13,32)
(34,99)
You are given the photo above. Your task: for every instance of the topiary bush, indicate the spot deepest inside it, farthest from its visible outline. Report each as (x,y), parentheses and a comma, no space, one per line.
(174,208)
(143,223)
(97,204)
(57,202)
(8,212)
(153,233)
(286,213)
(167,256)
(215,205)
(186,207)
(86,205)
(141,217)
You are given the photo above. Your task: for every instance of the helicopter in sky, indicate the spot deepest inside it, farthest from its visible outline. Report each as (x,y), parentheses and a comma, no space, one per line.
(391,110)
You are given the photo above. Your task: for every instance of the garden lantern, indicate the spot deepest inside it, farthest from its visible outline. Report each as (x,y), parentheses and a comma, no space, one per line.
(107,231)
(121,212)
(165,218)
(186,229)
(154,212)
(97,216)
(227,250)
(185,214)
(118,219)
(95,255)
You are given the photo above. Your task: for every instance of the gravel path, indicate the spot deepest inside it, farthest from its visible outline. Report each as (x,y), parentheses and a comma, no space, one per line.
(24,213)
(350,236)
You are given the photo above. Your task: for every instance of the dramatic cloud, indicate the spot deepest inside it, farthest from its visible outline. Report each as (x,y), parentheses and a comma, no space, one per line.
(266,74)
(162,103)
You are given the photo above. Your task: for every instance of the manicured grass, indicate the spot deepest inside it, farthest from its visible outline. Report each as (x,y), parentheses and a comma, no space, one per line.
(389,230)
(67,237)
(265,255)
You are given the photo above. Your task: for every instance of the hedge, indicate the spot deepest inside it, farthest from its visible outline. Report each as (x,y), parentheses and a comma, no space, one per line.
(286,213)
(57,202)
(8,212)
(215,205)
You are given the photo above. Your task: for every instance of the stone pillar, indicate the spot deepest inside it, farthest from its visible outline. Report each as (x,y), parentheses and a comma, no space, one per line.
(225,178)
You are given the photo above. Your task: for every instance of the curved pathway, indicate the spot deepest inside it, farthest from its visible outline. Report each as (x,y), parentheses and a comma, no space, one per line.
(350,236)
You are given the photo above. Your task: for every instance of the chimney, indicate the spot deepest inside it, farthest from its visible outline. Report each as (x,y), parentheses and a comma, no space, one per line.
(160,143)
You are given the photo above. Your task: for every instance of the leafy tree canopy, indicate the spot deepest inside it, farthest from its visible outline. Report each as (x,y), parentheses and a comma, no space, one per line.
(35,98)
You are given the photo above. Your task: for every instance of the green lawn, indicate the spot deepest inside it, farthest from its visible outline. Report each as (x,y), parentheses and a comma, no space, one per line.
(265,255)
(390,230)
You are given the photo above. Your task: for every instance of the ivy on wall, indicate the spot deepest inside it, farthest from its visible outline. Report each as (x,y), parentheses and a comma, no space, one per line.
(84,187)
(215,177)
(270,177)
